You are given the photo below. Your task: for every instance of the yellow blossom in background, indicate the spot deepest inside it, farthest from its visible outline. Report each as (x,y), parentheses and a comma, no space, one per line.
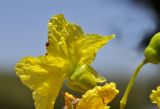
(96,98)
(155,96)
(70,101)
(69,53)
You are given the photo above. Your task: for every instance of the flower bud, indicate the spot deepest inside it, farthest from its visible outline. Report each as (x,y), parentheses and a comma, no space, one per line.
(152,51)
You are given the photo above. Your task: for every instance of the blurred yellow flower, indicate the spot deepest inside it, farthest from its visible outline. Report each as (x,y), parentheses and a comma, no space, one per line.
(70,101)
(96,98)
(155,96)
(69,53)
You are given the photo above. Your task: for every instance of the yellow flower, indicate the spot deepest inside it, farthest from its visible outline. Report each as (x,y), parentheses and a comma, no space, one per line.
(96,98)
(155,96)
(69,53)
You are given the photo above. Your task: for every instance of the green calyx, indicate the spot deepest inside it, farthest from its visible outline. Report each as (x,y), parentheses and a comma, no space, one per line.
(152,51)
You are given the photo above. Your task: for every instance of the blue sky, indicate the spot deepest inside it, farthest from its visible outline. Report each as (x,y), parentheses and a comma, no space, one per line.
(23,28)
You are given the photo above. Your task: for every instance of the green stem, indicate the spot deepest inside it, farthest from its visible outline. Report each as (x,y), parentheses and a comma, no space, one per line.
(130,85)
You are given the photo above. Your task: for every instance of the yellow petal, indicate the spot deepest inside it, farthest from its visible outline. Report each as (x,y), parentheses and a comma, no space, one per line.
(155,96)
(60,35)
(71,102)
(43,75)
(86,47)
(98,97)
(108,92)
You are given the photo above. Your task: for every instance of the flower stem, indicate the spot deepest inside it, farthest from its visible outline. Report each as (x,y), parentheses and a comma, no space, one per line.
(130,85)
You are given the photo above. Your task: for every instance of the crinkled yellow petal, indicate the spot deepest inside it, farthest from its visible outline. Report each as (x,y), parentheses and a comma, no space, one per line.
(86,47)
(44,75)
(98,97)
(61,34)
(71,102)
(68,41)
(155,96)
(108,92)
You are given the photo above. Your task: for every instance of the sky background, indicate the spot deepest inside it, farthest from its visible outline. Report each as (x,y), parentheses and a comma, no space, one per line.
(23,29)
